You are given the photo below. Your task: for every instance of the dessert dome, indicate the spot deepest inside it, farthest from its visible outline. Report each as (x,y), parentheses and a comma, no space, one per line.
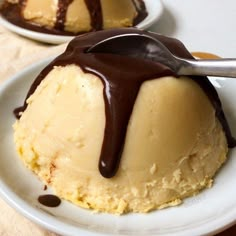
(73,16)
(120,134)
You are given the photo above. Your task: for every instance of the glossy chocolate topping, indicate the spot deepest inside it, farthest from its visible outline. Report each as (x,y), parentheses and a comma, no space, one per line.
(22,3)
(141,9)
(13,13)
(95,9)
(49,200)
(122,77)
(61,13)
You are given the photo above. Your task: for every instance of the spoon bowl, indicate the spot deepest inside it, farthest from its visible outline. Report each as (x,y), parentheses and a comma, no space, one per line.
(149,48)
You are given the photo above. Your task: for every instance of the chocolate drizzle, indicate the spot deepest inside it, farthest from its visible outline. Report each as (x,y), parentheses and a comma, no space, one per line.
(22,3)
(13,13)
(61,14)
(95,10)
(122,77)
(141,8)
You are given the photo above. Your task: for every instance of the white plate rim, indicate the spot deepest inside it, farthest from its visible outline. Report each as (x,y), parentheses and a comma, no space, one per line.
(52,223)
(154,8)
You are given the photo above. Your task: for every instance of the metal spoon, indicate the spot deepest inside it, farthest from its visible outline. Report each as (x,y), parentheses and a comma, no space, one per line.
(147,47)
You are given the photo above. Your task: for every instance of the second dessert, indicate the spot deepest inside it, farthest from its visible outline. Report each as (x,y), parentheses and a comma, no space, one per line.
(73,16)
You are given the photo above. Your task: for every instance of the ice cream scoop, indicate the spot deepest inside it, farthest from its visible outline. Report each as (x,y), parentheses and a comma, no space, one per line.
(121,134)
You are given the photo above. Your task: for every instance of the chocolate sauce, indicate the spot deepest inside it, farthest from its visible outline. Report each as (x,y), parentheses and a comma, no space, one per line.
(61,14)
(13,13)
(122,77)
(141,8)
(49,200)
(95,10)
(22,3)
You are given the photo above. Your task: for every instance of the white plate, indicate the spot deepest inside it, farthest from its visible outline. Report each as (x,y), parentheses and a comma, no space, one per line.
(211,211)
(154,9)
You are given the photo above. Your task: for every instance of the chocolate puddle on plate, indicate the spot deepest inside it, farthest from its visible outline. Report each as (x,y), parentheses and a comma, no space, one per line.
(49,200)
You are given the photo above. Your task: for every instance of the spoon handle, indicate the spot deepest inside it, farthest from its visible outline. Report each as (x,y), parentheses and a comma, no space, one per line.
(216,67)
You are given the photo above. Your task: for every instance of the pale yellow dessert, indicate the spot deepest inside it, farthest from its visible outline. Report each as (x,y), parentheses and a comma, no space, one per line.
(78,16)
(118,13)
(174,143)
(40,12)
